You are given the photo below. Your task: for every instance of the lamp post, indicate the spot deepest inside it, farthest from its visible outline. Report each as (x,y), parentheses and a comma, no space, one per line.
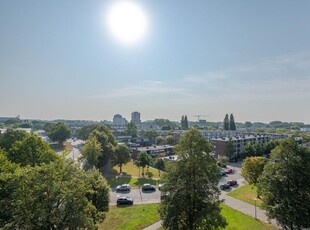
(255,208)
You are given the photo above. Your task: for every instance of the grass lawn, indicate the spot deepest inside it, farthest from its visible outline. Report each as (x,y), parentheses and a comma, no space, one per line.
(238,221)
(132,217)
(246,193)
(132,170)
(134,182)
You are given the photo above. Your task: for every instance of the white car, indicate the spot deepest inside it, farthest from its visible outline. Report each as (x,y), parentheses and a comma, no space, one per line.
(123,187)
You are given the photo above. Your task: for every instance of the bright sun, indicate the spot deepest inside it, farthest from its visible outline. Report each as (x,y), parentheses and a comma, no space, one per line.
(127,21)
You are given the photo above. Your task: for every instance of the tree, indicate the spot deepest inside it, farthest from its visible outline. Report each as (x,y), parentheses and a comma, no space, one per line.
(285,185)
(131,129)
(252,168)
(248,150)
(143,160)
(192,187)
(56,196)
(84,132)
(10,137)
(151,136)
(107,141)
(170,139)
(159,140)
(159,164)
(90,153)
(232,124)
(182,123)
(248,124)
(121,156)
(32,150)
(230,149)
(226,123)
(59,132)
(185,122)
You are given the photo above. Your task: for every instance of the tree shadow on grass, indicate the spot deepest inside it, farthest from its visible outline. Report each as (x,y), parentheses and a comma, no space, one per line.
(149,174)
(115,181)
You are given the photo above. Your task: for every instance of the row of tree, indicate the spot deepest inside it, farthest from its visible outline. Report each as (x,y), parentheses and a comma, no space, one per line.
(229,122)
(184,123)
(283,183)
(40,190)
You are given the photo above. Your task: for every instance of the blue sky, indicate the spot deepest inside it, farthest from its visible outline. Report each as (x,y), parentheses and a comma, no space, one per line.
(250,58)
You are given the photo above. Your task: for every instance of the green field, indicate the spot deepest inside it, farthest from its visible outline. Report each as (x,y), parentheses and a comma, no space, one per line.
(132,170)
(132,217)
(247,193)
(141,216)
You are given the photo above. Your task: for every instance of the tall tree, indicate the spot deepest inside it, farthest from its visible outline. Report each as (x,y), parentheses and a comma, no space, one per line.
(131,129)
(252,169)
(32,151)
(90,153)
(185,122)
(193,201)
(285,185)
(230,149)
(59,132)
(159,164)
(58,195)
(170,139)
(151,136)
(121,156)
(10,137)
(226,122)
(182,122)
(143,160)
(232,124)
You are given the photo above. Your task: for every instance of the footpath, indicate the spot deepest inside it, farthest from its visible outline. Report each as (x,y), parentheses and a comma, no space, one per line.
(239,205)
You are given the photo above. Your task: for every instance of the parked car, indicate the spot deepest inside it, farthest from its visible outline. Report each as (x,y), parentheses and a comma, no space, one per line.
(232,182)
(123,187)
(124,200)
(222,173)
(148,187)
(229,170)
(224,186)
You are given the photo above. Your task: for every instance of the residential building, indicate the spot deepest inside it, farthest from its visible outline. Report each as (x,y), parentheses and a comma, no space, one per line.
(135,118)
(119,120)
(154,151)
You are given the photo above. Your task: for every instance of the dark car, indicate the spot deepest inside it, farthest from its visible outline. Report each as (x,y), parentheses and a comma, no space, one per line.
(232,182)
(148,187)
(224,186)
(124,200)
(123,187)
(222,173)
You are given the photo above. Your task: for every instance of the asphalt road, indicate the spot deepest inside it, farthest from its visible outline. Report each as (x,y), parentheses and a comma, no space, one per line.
(154,197)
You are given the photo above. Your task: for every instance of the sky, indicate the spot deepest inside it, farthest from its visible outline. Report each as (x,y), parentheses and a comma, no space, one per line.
(58,60)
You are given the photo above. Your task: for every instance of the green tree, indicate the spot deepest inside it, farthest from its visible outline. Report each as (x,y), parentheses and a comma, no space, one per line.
(232,124)
(32,151)
(159,164)
(192,184)
(248,150)
(57,196)
(185,122)
(108,141)
(226,122)
(252,169)
(84,132)
(121,156)
(131,129)
(59,132)
(285,185)
(159,140)
(182,123)
(151,136)
(170,139)
(143,160)
(248,124)
(90,153)
(10,137)
(230,149)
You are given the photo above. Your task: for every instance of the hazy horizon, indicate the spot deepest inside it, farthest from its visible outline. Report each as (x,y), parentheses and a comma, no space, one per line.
(58,60)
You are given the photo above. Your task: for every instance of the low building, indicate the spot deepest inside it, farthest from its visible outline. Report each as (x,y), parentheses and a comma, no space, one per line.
(155,150)
(240,141)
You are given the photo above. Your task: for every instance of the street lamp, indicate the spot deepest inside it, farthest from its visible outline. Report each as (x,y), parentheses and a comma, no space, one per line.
(255,208)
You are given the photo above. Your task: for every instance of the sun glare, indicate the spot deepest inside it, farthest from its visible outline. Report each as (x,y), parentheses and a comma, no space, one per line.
(127,21)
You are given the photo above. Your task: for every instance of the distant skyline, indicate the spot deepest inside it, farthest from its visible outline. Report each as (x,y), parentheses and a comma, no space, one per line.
(58,60)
